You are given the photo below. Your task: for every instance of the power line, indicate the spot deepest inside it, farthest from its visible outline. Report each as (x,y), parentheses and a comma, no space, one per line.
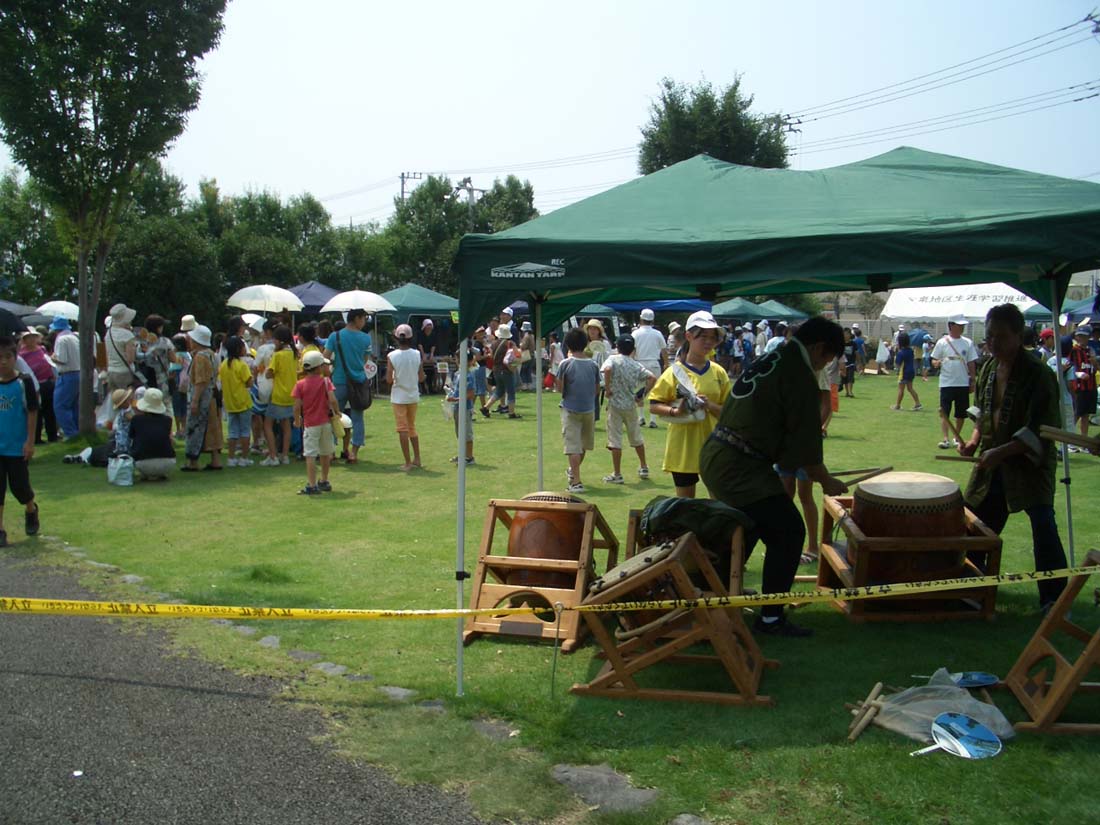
(946,128)
(359,190)
(1090,18)
(1040,97)
(940,83)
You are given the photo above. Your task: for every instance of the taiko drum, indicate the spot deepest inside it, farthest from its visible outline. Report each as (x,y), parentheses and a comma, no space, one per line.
(545,534)
(911,505)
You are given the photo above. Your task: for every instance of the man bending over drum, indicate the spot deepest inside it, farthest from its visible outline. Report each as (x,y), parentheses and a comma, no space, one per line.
(773,417)
(1016,395)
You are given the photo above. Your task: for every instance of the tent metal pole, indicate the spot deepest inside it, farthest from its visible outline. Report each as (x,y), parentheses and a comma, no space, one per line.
(460,531)
(538,384)
(1062,389)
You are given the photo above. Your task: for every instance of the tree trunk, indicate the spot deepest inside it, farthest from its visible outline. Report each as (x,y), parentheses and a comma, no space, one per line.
(86,329)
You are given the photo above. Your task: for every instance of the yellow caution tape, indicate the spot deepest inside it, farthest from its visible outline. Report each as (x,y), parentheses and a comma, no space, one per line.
(149,610)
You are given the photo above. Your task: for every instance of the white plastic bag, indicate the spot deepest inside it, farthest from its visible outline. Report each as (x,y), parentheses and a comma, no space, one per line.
(120,471)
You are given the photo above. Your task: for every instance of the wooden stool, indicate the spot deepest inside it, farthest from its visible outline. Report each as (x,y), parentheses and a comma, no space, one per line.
(634,543)
(1045,700)
(849,564)
(668,572)
(569,578)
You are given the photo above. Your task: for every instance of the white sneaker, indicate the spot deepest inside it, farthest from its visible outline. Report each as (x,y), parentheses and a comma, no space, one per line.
(945,444)
(245,462)
(270,462)
(284,460)
(231,462)
(614,478)
(576,487)
(643,472)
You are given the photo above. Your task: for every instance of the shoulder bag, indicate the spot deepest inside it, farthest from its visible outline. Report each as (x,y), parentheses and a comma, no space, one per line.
(359,393)
(691,410)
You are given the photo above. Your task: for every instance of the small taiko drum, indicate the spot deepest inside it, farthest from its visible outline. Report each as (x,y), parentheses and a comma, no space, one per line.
(911,505)
(545,534)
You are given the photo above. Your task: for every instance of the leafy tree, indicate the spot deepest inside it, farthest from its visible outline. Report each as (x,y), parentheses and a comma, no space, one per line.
(156,192)
(685,121)
(210,210)
(35,265)
(506,205)
(870,304)
(92,89)
(424,233)
(163,264)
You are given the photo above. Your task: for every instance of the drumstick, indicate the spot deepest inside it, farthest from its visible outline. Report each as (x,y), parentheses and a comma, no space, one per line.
(839,473)
(1069,437)
(968,458)
(869,475)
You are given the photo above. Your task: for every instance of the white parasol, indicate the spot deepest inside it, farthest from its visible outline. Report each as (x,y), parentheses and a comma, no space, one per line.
(250,317)
(60,309)
(265,298)
(358,299)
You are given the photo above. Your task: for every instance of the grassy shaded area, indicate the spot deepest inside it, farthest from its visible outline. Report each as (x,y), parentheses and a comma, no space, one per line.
(386,539)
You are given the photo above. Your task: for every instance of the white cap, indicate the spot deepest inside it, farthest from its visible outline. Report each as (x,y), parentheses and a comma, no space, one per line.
(403,331)
(701,320)
(313,359)
(647,314)
(901,327)
(506,311)
(959,319)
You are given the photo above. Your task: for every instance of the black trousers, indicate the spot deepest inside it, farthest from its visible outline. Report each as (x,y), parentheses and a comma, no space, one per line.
(15,474)
(779,525)
(46,419)
(1046,543)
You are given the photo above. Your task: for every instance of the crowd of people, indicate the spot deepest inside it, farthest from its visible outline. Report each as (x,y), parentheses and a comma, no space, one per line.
(747,408)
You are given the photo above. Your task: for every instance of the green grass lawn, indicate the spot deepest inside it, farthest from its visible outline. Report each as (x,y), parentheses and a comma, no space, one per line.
(386,539)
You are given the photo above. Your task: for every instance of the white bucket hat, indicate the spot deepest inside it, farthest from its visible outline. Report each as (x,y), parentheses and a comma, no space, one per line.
(200,335)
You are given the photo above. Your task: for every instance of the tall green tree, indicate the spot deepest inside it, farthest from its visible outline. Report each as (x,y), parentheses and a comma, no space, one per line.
(507,204)
(90,90)
(424,233)
(685,121)
(35,264)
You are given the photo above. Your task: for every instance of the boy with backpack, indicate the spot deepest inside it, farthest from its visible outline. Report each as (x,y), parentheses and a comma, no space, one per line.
(18,421)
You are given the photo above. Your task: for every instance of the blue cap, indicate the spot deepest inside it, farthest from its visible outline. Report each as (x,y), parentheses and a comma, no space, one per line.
(59,323)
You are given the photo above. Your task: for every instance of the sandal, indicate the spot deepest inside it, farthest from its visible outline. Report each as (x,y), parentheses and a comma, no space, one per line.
(808,558)
(189,469)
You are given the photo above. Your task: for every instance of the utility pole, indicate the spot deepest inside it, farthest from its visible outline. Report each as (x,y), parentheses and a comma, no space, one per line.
(409,176)
(466,185)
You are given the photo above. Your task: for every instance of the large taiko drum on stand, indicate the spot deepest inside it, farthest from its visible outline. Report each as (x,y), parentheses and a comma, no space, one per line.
(911,505)
(545,534)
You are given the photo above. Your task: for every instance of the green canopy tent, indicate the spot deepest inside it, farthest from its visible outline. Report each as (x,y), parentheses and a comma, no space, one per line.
(781,312)
(1074,309)
(709,229)
(736,308)
(413,299)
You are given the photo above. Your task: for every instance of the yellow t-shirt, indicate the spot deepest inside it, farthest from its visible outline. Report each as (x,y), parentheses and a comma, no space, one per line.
(235,376)
(686,440)
(302,356)
(285,367)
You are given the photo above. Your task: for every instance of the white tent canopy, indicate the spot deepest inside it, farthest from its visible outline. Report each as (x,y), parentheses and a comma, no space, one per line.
(940,302)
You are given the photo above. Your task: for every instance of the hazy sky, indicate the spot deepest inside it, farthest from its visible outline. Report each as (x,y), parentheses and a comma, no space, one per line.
(334,97)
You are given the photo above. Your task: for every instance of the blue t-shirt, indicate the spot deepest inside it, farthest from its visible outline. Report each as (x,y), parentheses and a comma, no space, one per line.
(17,398)
(352,344)
(579,379)
(860,345)
(904,359)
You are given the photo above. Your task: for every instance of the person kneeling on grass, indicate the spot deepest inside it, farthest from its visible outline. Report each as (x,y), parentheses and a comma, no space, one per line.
(405,375)
(151,437)
(18,421)
(314,404)
(621,377)
(578,382)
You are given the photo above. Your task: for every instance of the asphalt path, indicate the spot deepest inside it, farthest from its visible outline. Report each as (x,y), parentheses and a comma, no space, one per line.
(104,725)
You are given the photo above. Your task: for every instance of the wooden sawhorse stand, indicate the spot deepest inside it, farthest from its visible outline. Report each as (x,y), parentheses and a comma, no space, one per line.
(723,629)
(1045,700)
(737,550)
(490,583)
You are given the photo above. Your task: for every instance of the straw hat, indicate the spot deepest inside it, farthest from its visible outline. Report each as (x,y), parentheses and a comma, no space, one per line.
(504,332)
(188,323)
(120,398)
(595,322)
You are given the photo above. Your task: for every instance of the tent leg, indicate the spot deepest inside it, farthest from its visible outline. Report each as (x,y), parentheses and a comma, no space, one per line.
(460,528)
(1054,307)
(538,385)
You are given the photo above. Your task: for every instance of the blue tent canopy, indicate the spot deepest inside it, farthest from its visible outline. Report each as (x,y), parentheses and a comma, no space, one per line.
(313,295)
(667,305)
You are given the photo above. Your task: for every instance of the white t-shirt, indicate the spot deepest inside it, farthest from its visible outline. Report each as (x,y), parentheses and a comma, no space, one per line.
(117,339)
(773,343)
(649,343)
(955,355)
(405,364)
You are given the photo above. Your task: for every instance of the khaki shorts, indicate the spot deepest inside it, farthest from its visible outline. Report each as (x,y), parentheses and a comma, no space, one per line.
(404,416)
(616,420)
(578,432)
(317,441)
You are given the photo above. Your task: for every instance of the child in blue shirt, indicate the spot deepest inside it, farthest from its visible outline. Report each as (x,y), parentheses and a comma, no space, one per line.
(452,398)
(18,420)
(906,371)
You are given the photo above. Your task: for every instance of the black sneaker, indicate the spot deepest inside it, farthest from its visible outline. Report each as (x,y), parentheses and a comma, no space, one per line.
(309,491)
(30,522)
(324,486)
(781,627)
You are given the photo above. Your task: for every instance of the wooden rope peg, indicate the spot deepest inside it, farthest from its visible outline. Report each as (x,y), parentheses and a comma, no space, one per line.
(866,712)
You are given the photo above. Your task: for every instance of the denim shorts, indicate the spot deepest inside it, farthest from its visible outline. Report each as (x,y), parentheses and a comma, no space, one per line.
(279,412)
(799,474)
(240,424)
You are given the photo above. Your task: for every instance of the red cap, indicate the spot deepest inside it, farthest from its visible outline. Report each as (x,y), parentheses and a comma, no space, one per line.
(1046,333)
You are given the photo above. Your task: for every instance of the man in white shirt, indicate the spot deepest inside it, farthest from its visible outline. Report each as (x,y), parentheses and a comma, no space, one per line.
(782,333)
(649,351)
(954,356)
(763,333)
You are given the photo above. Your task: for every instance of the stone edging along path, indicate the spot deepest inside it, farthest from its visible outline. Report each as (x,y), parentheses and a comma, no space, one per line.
(598,785)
